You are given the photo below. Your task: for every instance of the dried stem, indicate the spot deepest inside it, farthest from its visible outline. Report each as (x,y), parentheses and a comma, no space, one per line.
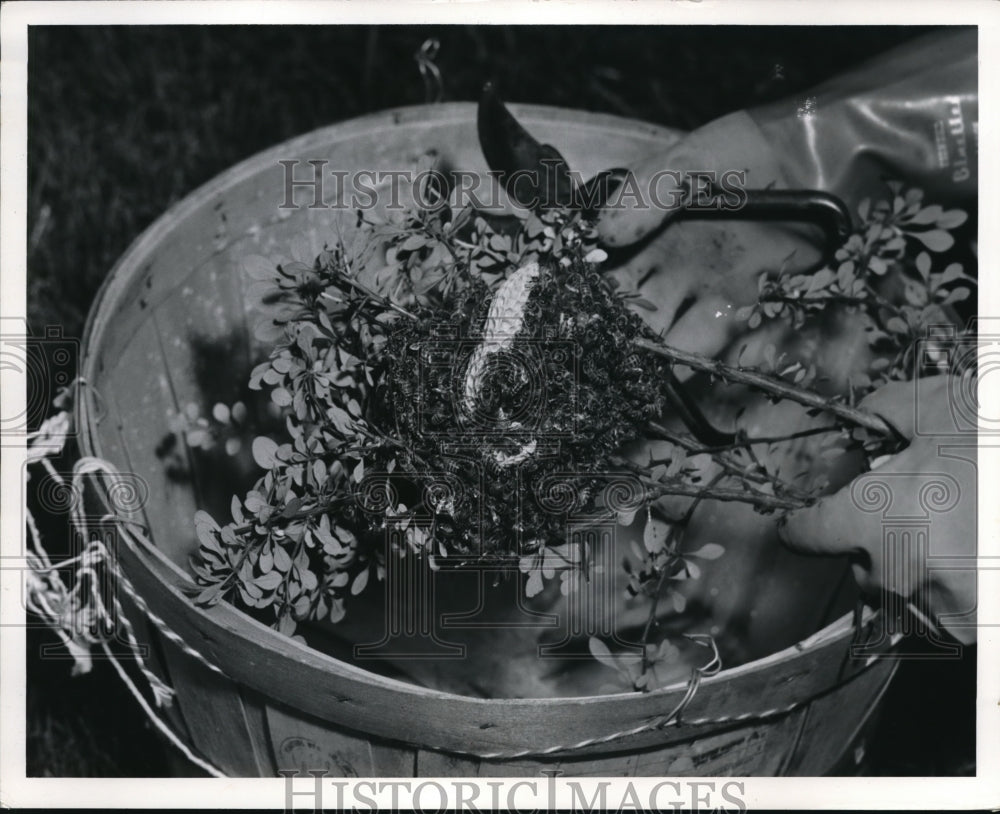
(841,299)
(770,385)
(694,447)
(374,295)
(677,539)
(772,439)
(758,499)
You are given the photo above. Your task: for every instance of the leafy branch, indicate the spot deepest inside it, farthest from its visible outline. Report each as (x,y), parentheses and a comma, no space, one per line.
(372,417)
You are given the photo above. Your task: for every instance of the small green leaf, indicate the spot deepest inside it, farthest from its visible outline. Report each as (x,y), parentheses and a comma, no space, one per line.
(263,452)
(341,420)
(654,536)
(927,215)
(360,581)
(413,242)
(924,264)
(337,610)
(254,502)
(302,606)
(239,412)
(535,584)
(250,593)
(959,294)
(203,518)
(286,624)
(937,240)
(897,325)
(952,219)
(599,650)
(952,272)
(236,510)
(709,551)
(282,560)
(916,294)
(209,596)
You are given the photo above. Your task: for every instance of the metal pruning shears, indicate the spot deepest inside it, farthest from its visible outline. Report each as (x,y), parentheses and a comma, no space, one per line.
(536,175)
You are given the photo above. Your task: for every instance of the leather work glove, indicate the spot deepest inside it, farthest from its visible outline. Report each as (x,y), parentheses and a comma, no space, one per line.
(699,272)
(909,114)
(933,478)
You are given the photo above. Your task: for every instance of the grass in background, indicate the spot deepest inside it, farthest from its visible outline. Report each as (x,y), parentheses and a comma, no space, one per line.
(124,121)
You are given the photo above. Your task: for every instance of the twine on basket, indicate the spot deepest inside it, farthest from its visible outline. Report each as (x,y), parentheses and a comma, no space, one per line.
(49,597)
(79,616)
(88,466)
(130,532)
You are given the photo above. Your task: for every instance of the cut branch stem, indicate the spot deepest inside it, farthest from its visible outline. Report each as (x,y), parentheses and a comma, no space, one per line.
(768,384)
(373,295)
(657,488)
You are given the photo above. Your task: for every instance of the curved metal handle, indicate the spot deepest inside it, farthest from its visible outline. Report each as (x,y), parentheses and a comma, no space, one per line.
(822,209)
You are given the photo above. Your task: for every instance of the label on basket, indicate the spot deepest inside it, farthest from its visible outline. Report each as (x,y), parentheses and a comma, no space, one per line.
(306,756)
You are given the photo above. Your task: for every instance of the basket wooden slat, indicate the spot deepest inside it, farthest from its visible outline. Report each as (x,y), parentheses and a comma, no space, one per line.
(318,686)
(217,717)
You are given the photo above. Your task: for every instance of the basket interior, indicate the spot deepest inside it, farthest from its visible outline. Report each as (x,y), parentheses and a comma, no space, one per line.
(172,335)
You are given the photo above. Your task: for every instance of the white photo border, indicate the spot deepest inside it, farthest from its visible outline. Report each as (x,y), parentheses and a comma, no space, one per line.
(16,790)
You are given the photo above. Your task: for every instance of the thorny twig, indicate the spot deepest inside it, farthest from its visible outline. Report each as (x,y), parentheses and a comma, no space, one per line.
(768,384)
(758,499)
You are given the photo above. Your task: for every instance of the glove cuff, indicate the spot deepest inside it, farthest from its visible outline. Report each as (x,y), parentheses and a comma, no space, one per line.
(910,114)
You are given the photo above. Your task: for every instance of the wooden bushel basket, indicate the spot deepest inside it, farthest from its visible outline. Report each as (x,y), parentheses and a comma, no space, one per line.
(177,298)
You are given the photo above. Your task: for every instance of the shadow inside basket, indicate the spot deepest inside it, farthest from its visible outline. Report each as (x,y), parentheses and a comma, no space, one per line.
(171,349)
